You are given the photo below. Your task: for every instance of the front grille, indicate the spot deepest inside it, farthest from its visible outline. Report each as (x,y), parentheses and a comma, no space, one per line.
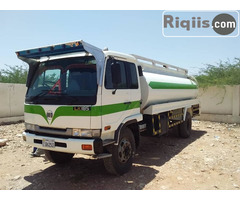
(53,131)
(51,135)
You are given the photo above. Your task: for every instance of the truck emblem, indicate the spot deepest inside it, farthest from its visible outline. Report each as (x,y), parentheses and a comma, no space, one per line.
(49,115)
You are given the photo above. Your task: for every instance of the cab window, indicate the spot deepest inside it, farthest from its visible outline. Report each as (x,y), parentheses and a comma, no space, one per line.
(128,77)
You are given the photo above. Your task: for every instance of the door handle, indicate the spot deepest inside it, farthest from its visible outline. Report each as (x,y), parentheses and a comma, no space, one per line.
(128,102)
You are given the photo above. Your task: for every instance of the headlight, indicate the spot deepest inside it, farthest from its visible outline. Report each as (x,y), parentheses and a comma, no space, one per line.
(30,127)
(86,132)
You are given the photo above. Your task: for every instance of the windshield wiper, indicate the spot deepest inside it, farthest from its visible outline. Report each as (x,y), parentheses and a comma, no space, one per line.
(73,98)
(43,93)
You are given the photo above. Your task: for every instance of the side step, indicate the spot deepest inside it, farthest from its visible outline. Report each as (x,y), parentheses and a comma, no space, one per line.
(108,142)
(102,155)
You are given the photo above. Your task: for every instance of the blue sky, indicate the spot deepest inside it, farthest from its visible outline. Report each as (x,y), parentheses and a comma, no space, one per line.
(138,32)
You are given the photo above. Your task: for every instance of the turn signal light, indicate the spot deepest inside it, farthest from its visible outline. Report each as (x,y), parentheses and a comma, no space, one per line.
(87,147)
(107,128)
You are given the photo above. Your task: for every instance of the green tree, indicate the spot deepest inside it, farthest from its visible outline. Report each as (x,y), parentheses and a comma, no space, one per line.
(224,73)
(14,74)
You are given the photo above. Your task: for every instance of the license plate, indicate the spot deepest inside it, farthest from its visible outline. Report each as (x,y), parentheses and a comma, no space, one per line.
(48,143)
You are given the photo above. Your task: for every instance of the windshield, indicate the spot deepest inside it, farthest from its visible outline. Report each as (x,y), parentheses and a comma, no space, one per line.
(69,81)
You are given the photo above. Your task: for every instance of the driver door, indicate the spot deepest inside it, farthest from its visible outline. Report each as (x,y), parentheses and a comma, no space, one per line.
(115,96)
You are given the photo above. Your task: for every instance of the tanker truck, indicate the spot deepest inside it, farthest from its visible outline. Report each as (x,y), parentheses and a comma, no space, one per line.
(85,100)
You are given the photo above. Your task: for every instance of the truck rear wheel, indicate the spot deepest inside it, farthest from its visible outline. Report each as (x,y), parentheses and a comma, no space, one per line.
(122,154)
(185,128)
(58,157)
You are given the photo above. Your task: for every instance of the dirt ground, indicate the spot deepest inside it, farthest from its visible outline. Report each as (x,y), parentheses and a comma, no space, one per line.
(209,159)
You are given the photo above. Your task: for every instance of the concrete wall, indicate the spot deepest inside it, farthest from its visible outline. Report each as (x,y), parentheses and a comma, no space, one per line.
(220,104)
(11,102)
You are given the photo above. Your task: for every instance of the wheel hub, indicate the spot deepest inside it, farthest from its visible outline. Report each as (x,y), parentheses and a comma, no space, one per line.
(124,150)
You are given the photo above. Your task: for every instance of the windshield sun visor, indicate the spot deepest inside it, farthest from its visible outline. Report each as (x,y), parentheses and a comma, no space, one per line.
(32,56)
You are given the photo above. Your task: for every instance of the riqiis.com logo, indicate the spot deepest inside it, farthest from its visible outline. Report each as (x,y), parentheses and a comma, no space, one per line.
(200,23)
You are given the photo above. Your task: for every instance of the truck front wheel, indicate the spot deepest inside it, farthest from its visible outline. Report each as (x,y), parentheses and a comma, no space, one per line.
(122,154)
(58,157)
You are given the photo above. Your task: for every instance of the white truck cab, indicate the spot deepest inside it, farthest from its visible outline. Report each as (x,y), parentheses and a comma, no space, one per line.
(84,100)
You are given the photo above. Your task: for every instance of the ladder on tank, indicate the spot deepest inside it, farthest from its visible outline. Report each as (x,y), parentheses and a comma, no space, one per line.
(157,64)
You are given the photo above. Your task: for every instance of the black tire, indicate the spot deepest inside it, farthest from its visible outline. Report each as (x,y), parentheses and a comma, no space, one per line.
(175,131)
(122,154)
(58,157)
(185,128)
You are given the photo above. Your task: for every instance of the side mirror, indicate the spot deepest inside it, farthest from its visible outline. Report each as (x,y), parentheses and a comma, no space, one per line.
(140,71)
(116,74)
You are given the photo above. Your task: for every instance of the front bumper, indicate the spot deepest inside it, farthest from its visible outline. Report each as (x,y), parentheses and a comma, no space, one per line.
(67,145)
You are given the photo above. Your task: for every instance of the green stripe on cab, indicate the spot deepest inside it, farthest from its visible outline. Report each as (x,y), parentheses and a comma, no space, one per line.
(35,109)
(94,110)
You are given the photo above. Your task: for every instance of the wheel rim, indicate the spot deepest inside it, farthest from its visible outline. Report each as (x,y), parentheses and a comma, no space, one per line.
(124,150)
